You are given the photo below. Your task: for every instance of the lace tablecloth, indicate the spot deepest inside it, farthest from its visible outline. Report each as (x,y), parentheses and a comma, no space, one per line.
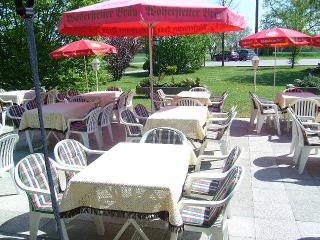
(17,96)
(203,97)
(55,116)
(284,99)
(188,119)
(102,98)
(131,180)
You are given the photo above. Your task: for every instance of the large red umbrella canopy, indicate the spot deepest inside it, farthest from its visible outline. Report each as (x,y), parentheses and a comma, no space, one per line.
(131,18)
(316,41)
(275,37)
(82,48)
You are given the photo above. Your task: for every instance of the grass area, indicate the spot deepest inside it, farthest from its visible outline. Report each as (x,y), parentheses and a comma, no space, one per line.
(139,57)
(237,81)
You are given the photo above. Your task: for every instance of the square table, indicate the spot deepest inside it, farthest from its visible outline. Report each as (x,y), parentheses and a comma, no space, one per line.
(18,97)
(102,98)
(203,97)
(131,179)
(287,98)
(55,116)
(188,119)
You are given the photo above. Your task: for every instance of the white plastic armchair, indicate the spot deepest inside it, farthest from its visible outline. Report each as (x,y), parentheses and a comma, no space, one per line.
(131,123)
(106,120)
(188,102)
(306,109)
(4,105)
(52,96)
(267,110)
(166,99)
(85,126)
(129,98)
(220,118)
(141,112)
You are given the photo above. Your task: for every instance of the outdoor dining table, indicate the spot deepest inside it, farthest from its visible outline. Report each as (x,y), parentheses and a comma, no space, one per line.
(288,98)
(203,97)
(102,98)
(188,119)
(132,179)
(18,96)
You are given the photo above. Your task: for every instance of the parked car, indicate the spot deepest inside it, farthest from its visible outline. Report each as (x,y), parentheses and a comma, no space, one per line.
(246,54)
(228,56)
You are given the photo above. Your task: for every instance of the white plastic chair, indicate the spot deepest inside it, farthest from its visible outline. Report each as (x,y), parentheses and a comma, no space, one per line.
(164,97)
(129,99)
(120,105)
(131,123)
(4,107)
(77,98)
(85,126)
(52,96)
(7,145)
(106,120)
(306,140)
(141,112)
(266,110)
(210,216)
(1,129)
(188,102)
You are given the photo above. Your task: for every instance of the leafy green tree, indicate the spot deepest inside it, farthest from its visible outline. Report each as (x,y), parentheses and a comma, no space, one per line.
(300,15)
(15,71)
(185,52)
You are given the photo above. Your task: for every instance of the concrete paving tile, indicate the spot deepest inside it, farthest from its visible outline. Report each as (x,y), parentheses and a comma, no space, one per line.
(270,195)
(307,211)
(242,209)
(240,238)
(309,230)
(241,227)
(262,160)
(301,185)
(267,184)
(272,210)
(266,174)
(292,173)
(272,230)
(303,196)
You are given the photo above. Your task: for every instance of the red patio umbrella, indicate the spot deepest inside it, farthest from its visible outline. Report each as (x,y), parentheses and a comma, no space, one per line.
(275,37)
(150,18)
(82,48)
(316,41)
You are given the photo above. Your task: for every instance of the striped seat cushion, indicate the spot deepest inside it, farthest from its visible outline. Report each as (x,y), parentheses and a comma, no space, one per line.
(204,187)
(79,126)
(16,111)
(31,104)
(61,96)
(71,153)
(199,216)
(32,173)
(164,136)
(231,159)
(141,110)
(129,117)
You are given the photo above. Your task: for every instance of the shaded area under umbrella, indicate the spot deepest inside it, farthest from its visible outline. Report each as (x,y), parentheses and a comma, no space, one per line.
(275,37)
(83,48)
(150,18)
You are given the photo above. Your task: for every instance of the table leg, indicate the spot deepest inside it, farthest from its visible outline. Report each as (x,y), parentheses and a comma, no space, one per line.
(174,236)
(98,220)
(29,141)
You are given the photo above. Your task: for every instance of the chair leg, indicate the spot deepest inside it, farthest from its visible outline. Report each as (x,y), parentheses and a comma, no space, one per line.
(14,182)
(224,147)
(98,136)
(277,124)
(4,113)
(253,116)
(29,141)
(296,154)
(110,132)
(98,220)
(34,224)
(85,139)
(260,122)
(303,159)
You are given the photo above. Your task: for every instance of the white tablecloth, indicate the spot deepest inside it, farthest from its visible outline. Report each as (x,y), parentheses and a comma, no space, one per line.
(203,97)
(284,99)
(102,98)
(188,119)
(17,96)
(131,178)
(55,116)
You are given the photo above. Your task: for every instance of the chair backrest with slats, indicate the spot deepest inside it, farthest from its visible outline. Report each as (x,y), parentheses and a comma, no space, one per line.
(292,90)
(161,93)
(7,145)
(77,99)
(188,102)
(31,172)
(61,96)
(164,135)
(231,159)
(15,112)
(106,115)
(128,117)
(114,88)
(199,89)
(306,108)
(73,92)
(92,120)
(51,97)
(129,98)
(302,135)
(157,101)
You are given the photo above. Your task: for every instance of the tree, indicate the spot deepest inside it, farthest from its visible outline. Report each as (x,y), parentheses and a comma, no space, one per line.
(15,72)
(184,53)
(127,47)
(300,15)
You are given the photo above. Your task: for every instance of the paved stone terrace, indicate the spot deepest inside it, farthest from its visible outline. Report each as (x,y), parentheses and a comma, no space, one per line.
(273,202)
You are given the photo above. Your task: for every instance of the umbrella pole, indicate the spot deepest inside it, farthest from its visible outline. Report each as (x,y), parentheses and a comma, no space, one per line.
(85,72)
(97,81)
(274,71)
(150,35)
(36,82)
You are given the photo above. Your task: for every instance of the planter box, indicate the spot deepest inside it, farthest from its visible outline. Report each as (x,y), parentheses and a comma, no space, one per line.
(167,90)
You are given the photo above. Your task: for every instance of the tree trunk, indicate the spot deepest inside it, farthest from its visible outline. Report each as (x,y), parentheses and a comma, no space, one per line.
(222,48)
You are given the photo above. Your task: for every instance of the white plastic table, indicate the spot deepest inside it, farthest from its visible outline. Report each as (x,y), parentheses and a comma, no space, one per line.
(285,99)
(139,179)
(102,98)
(18,97)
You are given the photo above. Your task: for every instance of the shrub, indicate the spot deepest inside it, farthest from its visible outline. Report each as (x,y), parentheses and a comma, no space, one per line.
(311,81)
(188,82)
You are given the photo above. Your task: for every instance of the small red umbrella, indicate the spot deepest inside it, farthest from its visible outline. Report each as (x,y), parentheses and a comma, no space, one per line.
(82,48)
(275,37)
(316,41)
(150,18)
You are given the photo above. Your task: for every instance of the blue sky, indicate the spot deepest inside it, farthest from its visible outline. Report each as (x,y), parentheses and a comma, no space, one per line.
(247,9)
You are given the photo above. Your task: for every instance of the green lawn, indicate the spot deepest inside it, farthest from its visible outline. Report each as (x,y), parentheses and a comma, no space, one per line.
(237,81)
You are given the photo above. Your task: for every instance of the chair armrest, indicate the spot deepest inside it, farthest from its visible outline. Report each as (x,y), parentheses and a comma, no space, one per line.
(201,203)
(90,151)
(204,157)
(133,125)
(65,167)
(74,120)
